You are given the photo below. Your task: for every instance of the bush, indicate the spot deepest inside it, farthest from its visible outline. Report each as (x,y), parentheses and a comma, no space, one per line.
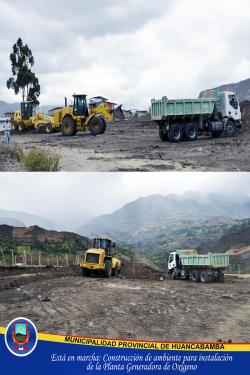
(42,160)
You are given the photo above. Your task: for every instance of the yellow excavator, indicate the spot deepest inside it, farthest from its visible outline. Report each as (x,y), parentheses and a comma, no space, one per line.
(27,117)
(78,116)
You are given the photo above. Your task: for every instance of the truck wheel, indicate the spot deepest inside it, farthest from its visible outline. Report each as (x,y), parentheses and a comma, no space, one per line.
(85,272)
(14,125)
(204,277)
(49,128)
(230,129)
(108,268)
(175,133)
(163,136)
(216,133)
(221,278)
(68,126)
(174,274)
(195,276)
(96,126)
(104,125)
(115,270)
(191,132)
(21,126)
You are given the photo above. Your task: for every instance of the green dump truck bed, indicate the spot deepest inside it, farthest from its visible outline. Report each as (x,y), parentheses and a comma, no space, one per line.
(190,258)
(164,108)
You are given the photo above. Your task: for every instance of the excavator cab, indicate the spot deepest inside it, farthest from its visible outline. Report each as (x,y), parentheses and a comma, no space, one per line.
(27,110)
(80,105)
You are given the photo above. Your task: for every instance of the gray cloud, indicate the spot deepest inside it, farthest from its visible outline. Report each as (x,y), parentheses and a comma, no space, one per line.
(100,193)
(127,51)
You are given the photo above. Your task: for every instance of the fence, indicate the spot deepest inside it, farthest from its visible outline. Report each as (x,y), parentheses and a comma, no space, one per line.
(236,268)
(9,258)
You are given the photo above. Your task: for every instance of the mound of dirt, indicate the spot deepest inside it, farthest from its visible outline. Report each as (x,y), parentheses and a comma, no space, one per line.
(16,276)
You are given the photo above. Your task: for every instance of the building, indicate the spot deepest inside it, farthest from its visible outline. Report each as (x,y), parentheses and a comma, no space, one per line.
(98,101)
(9,114)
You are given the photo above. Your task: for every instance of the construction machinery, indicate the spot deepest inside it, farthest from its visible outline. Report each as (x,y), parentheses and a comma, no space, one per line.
(217,113)
(27,117)
(78,116)
(101,259)
(205,267)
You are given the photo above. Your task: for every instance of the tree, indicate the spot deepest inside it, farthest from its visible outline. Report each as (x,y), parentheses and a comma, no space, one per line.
(26,82)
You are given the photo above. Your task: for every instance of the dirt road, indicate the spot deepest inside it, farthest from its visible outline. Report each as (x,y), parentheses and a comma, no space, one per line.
(138,306)
(136,146)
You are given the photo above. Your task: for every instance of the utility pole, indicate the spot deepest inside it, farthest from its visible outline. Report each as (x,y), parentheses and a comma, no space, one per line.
(39,258)
(67,262)
(3,257)
(12,256)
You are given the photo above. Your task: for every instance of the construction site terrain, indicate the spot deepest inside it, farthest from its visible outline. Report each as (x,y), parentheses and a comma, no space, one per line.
(141,304)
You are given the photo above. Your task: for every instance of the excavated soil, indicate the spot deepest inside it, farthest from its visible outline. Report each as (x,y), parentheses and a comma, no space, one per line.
(136,146)
(138,305)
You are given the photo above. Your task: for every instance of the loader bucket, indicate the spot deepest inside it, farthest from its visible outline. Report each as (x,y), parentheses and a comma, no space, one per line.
(118,113)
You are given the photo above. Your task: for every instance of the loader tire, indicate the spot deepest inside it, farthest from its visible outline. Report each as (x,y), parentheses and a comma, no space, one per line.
(108,268)
(195,276)
(49,128)
(14,125)
(68,126)
(175,133)
(191,132)
(115,270)
(21,126)
(85,272)
(96,126)
(230,129)
(163,136)
(104,125)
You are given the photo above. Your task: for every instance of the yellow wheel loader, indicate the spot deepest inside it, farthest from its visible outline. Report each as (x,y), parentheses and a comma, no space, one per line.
(78,116)
(27,118)
(101,259)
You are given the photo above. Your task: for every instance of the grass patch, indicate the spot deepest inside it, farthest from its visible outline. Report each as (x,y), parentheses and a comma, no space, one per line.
(42,160)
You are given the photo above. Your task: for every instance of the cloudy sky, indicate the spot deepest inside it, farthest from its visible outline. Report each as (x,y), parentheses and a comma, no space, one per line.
(102,193)
(127,51)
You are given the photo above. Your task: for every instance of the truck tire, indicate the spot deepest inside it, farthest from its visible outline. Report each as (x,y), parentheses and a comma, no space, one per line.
(230,129)
(195,276)
(108,268)
(85,272)
(21,126)
(68,126)
(96,126)
(175,133)
(163,136)
(115,270)
(49,128)
(216,133)
(104,125)
(204,277)
(14,125)
(191,132)
(174,274)
(221,278)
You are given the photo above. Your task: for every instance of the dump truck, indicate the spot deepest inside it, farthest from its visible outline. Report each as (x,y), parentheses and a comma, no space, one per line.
(77,116)
(180,119)
(27,117)
(101,259)
(205,268)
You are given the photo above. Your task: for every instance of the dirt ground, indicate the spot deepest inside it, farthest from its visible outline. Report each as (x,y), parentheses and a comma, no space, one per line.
(137,305)
(136,146)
